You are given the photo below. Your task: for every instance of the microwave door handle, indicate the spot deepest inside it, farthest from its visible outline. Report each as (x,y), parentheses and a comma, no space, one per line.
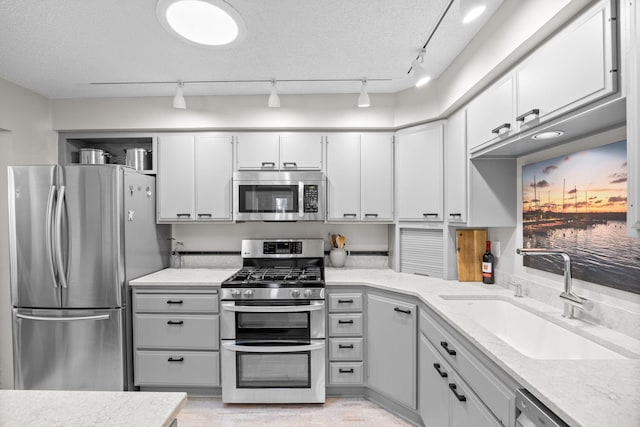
(49,240)
(274,349)
(301,199)
(272,309)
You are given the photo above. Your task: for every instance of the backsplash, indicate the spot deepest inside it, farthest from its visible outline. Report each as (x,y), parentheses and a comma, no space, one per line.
(354,260)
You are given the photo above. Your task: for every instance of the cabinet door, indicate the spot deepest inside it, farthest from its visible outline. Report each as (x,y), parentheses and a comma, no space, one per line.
(343,176)
(301,151)
(466,408)
(258,151)
(213,172)
(571,68)
(175,177)
(492,193)
(392,348)
(455,168)
(490,115)
(377,177)
(433,386)
(419,172)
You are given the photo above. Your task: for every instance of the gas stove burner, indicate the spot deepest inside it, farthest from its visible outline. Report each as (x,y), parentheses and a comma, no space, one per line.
(276,276)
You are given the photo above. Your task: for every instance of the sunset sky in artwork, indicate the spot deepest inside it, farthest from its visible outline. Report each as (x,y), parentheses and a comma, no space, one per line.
(598,177)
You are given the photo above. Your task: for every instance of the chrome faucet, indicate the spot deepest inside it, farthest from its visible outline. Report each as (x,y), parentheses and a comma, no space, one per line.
(572,302)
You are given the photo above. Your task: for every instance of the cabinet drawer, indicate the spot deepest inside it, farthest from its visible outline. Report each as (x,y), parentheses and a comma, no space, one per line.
(341,325)
(345,349)
(178,368)
(176,331)
(343,373)
(495,395)
(345,302)
(176,303)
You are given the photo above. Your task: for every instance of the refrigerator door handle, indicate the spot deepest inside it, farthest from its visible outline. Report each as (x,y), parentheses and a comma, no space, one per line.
(63,319)
(49,234)
(62,273)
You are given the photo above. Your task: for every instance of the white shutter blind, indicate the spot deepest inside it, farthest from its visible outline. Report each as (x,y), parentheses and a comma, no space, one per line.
(422,251)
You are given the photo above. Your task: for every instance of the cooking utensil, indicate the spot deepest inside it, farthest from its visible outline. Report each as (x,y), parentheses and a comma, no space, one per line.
(340,241)
(139,158)
(93,156)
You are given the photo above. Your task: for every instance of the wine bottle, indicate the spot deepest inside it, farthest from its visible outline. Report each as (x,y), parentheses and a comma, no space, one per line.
(487,265)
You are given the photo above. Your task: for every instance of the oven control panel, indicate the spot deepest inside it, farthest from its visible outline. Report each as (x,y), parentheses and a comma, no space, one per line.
(282,248)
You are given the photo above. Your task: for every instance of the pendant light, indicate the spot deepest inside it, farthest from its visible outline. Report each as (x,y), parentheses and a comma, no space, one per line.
(363,99)
(178,100)
(420,75)
(470,10)
(274,99)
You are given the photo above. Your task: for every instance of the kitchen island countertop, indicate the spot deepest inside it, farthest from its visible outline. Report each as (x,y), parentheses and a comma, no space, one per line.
(34,408)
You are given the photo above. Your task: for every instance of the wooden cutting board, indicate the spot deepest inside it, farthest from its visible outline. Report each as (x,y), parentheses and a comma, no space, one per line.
(470,245)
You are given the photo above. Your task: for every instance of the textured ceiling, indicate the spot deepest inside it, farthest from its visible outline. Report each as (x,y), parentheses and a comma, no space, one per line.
(58,47)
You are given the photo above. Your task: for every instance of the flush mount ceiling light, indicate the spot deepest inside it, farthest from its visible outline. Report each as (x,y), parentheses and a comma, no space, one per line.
(420,75)
(274,99)
(363,99)
(208,23)
(470,10)
(178,100)
(548,135)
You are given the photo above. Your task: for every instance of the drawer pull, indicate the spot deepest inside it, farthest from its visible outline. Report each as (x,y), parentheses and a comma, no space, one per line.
(345,371)
(347,322)
(445,345)
(175,322)
(171,301)
(497,130)
(533,112)
(345,301)
(345,345)
(399,310)
(175,359)
(460,397)
(442,374)
(455,215)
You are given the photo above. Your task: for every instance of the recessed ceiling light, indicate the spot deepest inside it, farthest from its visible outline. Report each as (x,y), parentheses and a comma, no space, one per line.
(548,135)
(209,23)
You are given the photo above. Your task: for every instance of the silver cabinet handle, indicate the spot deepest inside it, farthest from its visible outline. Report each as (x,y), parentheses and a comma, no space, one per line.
(532,112)
(205,215)
(183,215)
(63,319)
(497,130)
(62,274)
(289,164)
(268,164)
(49,235)
(274,349)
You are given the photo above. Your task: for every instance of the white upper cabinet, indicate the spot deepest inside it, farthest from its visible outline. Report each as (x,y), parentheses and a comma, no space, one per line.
(213,171)
(419,173)
(176,178)
(455,168)
(287,151)
(573,68)
(258,151)
(633,121)
(490,116)
(194,177)
(377,176)
(301,151)
(343,176)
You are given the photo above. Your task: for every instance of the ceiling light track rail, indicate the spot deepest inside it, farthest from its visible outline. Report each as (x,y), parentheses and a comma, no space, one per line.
(240,81)
(433,32)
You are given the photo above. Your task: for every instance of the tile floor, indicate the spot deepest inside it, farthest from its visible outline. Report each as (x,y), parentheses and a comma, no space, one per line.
(335,412)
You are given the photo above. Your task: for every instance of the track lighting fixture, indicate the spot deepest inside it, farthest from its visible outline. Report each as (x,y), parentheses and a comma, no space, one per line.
(178,100)
(274,99)
(363,99)
(420,75)
(471,10)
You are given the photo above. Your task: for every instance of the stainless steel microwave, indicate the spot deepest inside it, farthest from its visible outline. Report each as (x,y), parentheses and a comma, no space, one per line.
(278,196)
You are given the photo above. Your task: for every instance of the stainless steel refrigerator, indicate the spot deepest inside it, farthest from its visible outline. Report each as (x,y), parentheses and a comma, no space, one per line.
(77,235)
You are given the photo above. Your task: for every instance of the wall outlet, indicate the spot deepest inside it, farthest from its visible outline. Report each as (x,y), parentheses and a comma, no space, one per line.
(495,248)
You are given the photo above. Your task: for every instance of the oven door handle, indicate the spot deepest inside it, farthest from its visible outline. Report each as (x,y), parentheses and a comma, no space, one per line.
(272,309)
(272,349)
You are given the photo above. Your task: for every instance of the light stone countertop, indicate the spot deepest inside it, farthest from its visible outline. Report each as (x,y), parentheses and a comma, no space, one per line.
(34,408)
(589,393)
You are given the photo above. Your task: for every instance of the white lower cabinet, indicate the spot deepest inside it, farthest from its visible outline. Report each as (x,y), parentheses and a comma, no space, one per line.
(391,363)
(345,338)
(176,338)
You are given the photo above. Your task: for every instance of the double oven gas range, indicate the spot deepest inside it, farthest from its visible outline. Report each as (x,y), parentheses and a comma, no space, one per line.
(272,324)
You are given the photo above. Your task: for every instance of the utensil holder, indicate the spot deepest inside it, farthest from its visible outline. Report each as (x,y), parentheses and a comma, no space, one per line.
(338,257)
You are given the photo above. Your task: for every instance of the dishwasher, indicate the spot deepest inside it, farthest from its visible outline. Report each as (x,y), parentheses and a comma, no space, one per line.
(533,413)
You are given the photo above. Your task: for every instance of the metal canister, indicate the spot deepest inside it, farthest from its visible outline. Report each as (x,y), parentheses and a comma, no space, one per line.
(93,156)
(139,158)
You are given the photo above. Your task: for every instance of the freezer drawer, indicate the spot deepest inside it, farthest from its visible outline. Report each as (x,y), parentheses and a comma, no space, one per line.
(68,349)
(197,332)
(177,368)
